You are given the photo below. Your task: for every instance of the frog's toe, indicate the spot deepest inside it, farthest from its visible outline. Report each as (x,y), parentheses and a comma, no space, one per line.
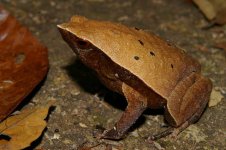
(112,134)
(171,131)
(159,135)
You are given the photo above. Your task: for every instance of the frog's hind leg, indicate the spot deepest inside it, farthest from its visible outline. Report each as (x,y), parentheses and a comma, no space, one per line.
(137,103)
(186,103)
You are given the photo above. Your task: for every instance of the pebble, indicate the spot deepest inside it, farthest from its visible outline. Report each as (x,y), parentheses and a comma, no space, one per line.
(83,125)
(135,133)
(67,141)
(56,136)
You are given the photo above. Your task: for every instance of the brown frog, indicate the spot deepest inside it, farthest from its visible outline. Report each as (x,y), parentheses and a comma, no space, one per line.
(147,70)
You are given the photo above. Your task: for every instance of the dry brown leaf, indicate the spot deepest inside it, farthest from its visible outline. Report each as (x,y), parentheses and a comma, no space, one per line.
(24,128)
(213,10)
(23,63)
(215,98)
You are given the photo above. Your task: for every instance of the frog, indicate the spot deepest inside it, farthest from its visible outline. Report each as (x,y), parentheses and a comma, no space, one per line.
(147,70)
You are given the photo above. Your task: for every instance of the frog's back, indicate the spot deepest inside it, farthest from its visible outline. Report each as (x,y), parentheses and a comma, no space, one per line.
(157,63)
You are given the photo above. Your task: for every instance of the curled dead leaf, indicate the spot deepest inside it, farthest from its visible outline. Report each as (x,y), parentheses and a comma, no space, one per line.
(23,63)
(24,128)
(214,10)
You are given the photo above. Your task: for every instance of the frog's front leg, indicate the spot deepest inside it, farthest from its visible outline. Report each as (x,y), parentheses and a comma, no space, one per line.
(137,103)
(186,104)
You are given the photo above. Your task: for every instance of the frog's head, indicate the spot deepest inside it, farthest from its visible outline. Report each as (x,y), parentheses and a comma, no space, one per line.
(78,45)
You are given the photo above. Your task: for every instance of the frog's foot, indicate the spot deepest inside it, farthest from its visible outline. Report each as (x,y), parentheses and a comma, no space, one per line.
(137,103)
(161,134)
(173,132)
(110,134)
(186,104)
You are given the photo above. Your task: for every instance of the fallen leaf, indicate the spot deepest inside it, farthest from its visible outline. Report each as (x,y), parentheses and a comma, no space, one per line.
(23,63)
(215,98)
(214,10)
(24,128)
(207,8)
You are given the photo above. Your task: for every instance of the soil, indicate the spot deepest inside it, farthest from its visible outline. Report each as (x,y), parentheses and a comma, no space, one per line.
(85,105)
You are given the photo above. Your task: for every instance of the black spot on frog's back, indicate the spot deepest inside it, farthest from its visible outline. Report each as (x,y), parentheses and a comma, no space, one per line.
(136,28)
(141,42)
(136,57)
(172,66)
(152,53)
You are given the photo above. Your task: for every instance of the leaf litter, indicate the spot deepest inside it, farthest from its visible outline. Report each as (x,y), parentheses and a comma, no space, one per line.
(24,128)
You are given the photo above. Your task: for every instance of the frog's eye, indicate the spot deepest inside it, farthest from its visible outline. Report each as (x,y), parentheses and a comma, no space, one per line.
(82,44)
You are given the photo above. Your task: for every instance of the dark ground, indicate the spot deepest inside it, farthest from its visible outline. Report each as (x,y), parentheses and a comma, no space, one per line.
(79,109)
